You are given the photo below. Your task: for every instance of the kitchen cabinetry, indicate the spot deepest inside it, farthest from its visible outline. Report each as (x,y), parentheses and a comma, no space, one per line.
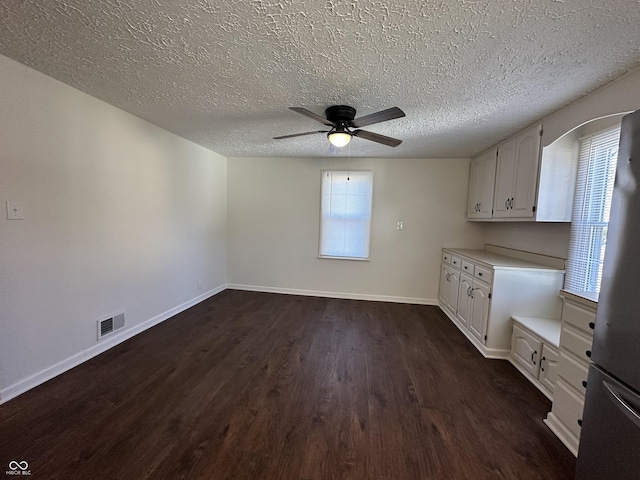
(479,318)
(534,351)
(578,320)
(531,183)
(490,288)
(481,185)
(449,281)
(517,175)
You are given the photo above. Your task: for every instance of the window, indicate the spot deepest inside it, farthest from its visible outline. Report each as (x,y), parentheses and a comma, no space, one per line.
(345,214)
(594,189)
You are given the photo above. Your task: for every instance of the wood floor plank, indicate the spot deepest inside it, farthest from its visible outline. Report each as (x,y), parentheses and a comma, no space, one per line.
(255,385)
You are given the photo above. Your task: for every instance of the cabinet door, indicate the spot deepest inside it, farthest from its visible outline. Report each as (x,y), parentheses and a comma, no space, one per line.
(526,173)
(464,298)
(485,208)
(443,294)
(449,283)
(482,176)
(479,310)
(454,284)
(548,367)
(526,349)
(476,178)
(505,169)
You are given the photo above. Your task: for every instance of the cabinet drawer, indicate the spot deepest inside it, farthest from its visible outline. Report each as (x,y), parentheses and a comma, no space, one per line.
(467,267)
(574,373)
(576,343)
(579,317)
(483,274)
(456,261)
(446,257)
(567,406)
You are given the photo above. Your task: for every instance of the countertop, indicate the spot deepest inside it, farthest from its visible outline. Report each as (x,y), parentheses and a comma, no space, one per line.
(497,261)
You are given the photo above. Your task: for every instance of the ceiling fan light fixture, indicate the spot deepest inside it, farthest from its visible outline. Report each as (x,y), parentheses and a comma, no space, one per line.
(339,138)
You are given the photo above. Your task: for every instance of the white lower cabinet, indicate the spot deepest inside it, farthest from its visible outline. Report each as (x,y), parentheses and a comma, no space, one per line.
(478,321)
(481,289)
(549,367)
(473,305)
(464,299)
(534,351)
(526,349)
(578,321)
(449,284)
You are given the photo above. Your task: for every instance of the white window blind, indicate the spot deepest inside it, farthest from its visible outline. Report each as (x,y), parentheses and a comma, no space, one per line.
(592,204)
(345,214)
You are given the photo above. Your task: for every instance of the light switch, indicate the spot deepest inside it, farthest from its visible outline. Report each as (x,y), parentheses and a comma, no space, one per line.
(399,226)
(14,211)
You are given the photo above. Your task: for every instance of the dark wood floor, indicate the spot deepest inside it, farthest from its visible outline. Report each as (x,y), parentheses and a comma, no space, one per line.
(263,386)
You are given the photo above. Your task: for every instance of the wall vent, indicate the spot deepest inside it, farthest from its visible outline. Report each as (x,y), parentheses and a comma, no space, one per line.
(109,325)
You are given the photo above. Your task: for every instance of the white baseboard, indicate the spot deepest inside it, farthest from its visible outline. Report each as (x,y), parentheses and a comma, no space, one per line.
(321,293)
(48,373)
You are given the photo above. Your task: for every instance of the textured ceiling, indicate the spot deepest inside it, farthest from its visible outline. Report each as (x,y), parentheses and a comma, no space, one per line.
(223,72)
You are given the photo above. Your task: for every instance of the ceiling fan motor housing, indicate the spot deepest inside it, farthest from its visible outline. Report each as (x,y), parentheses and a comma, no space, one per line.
(340,114)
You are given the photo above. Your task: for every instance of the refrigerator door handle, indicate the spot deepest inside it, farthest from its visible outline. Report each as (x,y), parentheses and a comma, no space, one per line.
(622,404)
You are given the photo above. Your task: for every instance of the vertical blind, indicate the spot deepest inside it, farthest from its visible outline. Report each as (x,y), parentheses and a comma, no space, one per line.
(345,214)
(592,204)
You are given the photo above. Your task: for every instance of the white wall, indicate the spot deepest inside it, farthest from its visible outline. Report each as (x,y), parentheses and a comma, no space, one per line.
(273,226)
(119,215)
(544,238)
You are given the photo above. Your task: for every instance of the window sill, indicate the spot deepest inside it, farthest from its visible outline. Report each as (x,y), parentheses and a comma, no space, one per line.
(358,259)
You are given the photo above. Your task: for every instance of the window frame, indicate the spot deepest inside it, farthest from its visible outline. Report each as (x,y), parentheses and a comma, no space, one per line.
(584,273)
(370,219)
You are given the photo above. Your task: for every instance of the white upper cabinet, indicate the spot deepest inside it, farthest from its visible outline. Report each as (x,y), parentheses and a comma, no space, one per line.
(530,183)
(481,184)
(517,176)
(504,179)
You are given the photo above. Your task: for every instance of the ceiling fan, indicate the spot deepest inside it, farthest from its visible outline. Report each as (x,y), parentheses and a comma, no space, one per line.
(344,125)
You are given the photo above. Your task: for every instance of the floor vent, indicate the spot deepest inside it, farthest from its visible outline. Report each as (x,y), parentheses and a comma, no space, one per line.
(110,325)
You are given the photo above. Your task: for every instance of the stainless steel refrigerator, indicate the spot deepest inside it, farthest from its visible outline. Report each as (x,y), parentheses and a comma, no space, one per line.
(610,438)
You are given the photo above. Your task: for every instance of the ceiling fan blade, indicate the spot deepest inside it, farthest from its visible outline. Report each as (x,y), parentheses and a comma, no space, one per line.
(309,114)
(381,116)
(376,137)
(299,134)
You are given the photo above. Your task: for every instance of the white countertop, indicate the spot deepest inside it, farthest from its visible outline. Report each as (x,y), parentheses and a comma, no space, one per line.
(497,261)
(546,328)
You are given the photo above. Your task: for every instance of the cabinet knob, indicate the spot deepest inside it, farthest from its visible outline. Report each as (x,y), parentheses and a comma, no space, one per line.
(584,383)
(592,325)
(580,421)
(479,274)
(588,353)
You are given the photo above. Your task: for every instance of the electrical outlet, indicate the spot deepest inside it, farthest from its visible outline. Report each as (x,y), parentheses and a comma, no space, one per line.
(399,226)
